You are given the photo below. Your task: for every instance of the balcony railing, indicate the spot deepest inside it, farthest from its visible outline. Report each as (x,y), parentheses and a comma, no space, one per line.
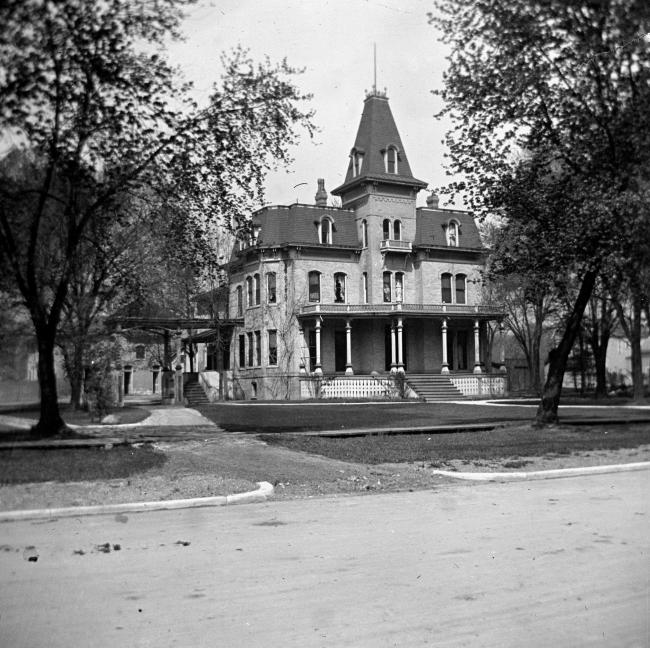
(394,245)
(386,308)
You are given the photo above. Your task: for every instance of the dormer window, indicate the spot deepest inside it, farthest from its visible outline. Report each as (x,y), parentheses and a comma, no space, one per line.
(356,156)
(390,160)
(325,228)
(453,233)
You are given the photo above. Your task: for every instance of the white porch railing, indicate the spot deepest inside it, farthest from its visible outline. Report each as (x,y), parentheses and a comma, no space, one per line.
(383,387)
(476,385)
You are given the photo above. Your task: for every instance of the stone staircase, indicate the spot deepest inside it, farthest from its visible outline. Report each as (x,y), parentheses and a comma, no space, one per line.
(434,387)
(194,393)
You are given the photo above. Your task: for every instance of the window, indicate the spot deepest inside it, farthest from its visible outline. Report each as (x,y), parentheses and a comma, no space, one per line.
(452,234)
(399,286)
(446,288)
(249,292)
(257,290)
(271,296)
(273,348)
(397,230)
(357,162)
(314,286)
(250,349)
(258,348)
(256,234)
(139,352)
(387,287)
(339,287)
(325,231)
(240,301)
(386,228)
(364,233)
(460,288)
(364,287)
(390,160)
(242,350)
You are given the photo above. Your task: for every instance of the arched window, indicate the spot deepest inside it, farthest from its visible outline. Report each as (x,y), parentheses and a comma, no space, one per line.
(257,289)
(387,287)
(240,301)
(325,231)
(357,162)
(249,292)
(446,288)
(397,230)
(452,234)
(399,286)
(386,229)
(390,160)
(271,295)
(339,287)
(460,288)
(314,286)
(364,233)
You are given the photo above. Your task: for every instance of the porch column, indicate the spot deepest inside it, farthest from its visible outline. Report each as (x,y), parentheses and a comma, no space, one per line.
(445,364)
(178,387)
(348,348)
(393,352)
(502,340)
(477,349)
(400,355)
(318,369)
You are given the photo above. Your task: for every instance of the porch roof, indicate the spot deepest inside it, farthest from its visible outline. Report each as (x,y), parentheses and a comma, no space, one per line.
(433,311)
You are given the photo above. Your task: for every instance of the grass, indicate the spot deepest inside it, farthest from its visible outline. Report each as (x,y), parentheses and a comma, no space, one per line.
(77,464)
(500,443)
(268,418)
(81,417)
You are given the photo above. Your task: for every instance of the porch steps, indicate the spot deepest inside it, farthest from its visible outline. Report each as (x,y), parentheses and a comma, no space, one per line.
(434,387)
(194,394)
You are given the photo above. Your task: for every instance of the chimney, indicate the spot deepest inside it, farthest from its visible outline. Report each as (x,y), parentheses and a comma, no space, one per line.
(321,194)
(433,201)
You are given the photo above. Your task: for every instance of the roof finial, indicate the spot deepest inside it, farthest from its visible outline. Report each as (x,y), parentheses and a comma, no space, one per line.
(374,57)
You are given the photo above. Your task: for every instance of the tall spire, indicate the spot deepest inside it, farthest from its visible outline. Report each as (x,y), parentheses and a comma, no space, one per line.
(378,153)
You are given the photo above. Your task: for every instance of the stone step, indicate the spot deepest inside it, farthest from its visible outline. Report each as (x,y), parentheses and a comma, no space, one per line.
(434,387)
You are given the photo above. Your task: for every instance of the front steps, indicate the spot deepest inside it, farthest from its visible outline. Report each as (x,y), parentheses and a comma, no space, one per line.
(195,394)
(434,387)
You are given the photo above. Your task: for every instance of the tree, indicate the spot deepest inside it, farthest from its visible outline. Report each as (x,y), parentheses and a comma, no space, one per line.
(87,89)
(566,83)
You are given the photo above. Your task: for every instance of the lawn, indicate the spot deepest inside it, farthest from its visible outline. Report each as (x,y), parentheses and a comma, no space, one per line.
(76,464)
(285,417)
(81,417)
(499,443)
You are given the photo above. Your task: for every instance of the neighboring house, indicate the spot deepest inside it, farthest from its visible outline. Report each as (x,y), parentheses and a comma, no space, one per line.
(619,360)
(375,287)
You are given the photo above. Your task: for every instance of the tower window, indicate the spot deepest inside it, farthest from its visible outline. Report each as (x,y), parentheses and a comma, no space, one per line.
(364,233)
(390,160)
(446,288)
(460,288)
(271,295)
(399,286)
(257,289)
(386,229)
(240,301)
(397,230)
(387,287)
(357,162)
(314,286)
(249,292)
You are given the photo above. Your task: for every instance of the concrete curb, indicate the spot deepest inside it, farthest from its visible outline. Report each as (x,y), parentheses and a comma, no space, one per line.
(264,490)
(544,474)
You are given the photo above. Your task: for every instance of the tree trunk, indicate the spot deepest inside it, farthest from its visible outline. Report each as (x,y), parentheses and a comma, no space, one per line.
(600,360)
(635,342)
(547,410)
(50,422)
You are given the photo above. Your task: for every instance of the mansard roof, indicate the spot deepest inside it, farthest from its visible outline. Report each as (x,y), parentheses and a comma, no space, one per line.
(297,224)
(431,225)
(377,132)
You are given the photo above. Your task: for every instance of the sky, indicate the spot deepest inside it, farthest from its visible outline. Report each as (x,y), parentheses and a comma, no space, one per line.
(333,41)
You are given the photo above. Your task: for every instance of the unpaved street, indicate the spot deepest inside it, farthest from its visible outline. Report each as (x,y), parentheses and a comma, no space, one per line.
(549,563)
